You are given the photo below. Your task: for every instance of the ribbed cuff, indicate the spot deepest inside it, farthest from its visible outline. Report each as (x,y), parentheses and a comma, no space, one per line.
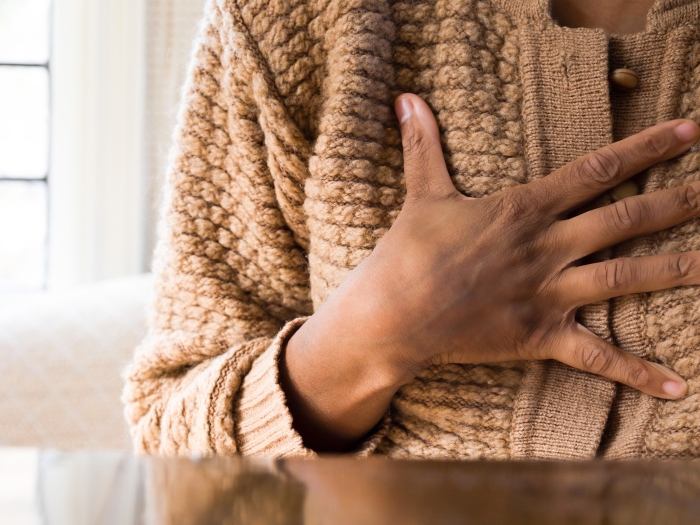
(263,421)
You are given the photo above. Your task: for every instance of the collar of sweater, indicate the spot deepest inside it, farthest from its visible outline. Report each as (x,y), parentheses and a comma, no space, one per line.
(663,15)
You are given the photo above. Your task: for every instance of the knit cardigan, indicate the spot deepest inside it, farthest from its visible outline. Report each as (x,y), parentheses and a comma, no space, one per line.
(287,171)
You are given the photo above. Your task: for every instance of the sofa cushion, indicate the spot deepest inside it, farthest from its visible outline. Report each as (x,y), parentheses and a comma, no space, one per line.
(61,359)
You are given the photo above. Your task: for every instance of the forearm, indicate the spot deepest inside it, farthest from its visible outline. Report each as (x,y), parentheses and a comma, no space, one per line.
(337,389)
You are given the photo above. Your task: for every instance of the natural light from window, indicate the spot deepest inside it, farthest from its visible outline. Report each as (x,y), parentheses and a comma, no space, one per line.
(24,143)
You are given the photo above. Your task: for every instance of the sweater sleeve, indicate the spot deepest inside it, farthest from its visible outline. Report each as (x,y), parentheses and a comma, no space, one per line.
(232,282)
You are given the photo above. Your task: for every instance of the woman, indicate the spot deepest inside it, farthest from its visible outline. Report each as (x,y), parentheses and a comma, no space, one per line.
(531,294)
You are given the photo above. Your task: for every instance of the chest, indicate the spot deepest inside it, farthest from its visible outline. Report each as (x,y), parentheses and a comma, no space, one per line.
(514,100)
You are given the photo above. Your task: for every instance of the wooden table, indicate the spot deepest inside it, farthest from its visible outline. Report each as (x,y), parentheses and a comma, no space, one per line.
(95,488)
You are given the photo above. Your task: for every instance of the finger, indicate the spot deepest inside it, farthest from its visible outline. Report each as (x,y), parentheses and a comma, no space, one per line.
(585,351)
(424,164)
(600,170)
(596,229)
(600,281)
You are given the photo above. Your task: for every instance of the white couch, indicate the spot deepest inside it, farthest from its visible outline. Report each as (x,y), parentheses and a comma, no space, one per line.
(61,359)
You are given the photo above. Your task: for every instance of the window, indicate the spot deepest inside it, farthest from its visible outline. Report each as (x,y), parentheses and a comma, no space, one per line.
(24,143)
(89,91)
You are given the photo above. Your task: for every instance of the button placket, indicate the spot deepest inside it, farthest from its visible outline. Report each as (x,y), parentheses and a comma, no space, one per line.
(624,79)
(566,114)
(622,191)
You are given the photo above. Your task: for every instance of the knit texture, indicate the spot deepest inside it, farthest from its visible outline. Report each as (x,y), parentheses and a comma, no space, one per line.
(287,171)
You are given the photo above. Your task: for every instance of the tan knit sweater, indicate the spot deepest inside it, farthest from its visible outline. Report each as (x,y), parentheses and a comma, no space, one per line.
(288,170)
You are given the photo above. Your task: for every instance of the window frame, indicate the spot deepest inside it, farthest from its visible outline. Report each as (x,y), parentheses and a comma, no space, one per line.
(45,179)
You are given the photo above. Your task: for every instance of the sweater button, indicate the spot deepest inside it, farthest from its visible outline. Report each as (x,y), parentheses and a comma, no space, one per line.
(624,79)
(622,191)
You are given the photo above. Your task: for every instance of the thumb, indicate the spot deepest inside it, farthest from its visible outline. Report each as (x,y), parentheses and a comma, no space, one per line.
(423,161)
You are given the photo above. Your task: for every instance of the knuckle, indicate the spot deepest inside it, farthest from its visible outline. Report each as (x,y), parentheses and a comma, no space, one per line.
(681,266)
(626,215)
(688,198)
(603,166)
(637,375)
(518,205)
(416,150)
(655,144)
(415,145)
(594,357)
(616,275)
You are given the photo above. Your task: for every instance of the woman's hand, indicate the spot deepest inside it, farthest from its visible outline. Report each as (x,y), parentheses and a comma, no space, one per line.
(463,280)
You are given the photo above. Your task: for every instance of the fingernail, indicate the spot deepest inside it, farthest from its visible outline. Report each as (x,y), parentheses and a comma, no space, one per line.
(675,386)
(687,131)
(404,109)
(674,389)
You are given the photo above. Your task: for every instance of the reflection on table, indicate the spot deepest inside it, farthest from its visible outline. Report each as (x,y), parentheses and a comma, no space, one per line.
(96,488)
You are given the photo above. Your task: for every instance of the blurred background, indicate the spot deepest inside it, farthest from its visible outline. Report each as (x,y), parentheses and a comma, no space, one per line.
(89,94)
(88,99)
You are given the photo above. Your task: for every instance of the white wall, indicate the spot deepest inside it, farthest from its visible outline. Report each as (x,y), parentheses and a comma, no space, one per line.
(116,67)
(96,182)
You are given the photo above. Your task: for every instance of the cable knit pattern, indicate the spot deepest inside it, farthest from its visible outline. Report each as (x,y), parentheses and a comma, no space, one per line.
(673,316)
(287,171)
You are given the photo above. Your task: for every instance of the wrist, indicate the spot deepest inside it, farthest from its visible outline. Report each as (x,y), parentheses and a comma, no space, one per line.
(368,363)
(337,390)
